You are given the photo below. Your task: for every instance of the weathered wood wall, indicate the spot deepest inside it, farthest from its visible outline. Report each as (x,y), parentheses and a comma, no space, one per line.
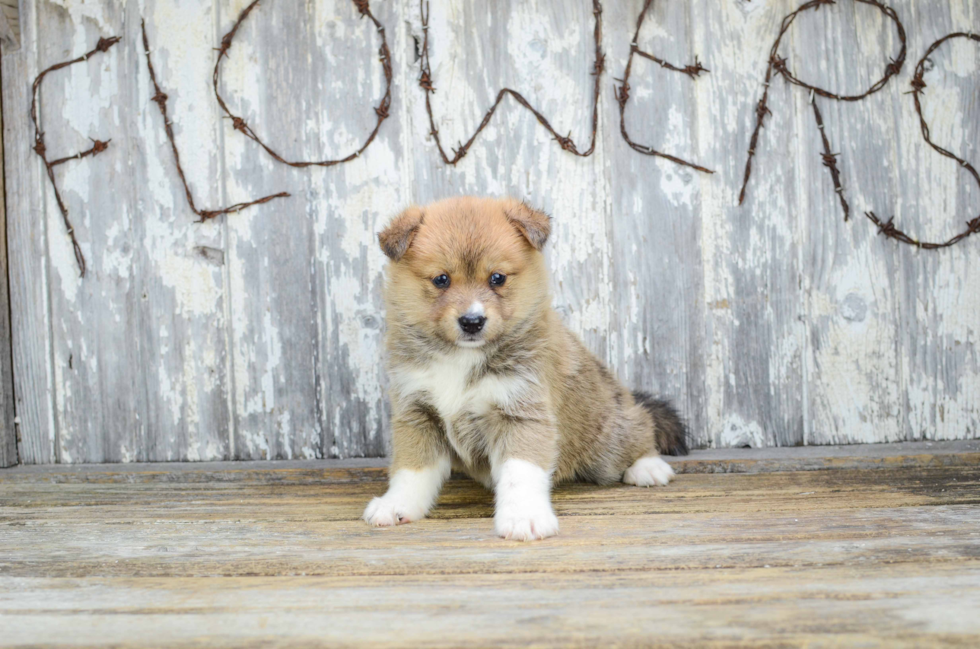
(8,431)
(259,335)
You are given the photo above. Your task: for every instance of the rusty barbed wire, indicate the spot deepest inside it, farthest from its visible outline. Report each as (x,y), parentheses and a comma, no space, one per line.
(160,98)
(622,92)
(778,64)
(918,84)
(381,110)
(830,161)
(40,148)
(565,141)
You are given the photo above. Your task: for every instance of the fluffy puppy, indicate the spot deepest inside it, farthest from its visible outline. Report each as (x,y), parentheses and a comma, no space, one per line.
(485,378)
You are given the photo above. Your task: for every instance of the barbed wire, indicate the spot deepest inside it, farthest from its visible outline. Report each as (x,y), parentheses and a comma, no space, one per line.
(381,111)
(778,65)
(622,92)
(918,84)
(160,98)
(40,148)
(830,160)
(565,141)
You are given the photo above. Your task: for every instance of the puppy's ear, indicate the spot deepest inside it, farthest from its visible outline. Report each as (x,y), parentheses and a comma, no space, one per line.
(397,237)
(533,224)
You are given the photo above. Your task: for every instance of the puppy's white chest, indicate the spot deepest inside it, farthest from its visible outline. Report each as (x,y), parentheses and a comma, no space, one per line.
(450,384)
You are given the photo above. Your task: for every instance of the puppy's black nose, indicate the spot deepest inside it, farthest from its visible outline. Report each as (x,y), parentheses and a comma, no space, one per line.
(472,324)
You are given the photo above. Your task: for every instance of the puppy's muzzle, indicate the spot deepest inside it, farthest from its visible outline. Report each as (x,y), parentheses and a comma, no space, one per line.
(472,324)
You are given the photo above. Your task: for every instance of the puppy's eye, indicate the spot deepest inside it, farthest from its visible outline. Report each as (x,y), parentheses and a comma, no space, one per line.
(497,279)
(441,281)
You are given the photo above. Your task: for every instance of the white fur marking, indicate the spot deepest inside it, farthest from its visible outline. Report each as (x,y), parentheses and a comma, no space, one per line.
(648,471)
(409,497)
(523,494)
(476,309)
(444,380)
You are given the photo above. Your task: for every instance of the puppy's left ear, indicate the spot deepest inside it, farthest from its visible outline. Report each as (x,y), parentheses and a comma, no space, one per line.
(533,224)
(397,237)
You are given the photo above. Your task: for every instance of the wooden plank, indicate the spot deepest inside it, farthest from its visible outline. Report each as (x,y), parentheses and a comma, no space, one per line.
(352,204)
(854,369)
(95,356)
(306,320)
(935,197)
(657,328)
(337,499)
(890,606)
(546,52)
(884,556)
(25,190)
(184,291)
(751,253)
(872,374)
(828,518)
(729,460)
(8,431)
(150,300)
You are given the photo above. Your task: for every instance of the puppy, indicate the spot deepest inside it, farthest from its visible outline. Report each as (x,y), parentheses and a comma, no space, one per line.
(485,379)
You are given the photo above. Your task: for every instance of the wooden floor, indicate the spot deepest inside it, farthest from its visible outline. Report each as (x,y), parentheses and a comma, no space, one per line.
(879,551)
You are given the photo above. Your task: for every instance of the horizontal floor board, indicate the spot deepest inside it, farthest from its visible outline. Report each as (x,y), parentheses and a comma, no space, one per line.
(726,460)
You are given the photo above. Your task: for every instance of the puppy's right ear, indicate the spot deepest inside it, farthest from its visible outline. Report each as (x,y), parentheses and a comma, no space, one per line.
(533,224)
(397,237)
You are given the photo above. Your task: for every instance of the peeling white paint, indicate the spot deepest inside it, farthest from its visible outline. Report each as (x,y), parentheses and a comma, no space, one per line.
(753,318)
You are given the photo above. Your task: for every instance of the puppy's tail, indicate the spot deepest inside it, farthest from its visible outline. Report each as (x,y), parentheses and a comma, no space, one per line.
(669,431)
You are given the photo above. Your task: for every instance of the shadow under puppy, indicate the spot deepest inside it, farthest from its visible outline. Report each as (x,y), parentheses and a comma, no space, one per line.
(485,378)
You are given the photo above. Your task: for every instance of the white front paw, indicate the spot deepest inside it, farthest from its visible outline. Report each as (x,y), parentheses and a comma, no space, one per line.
(648,471)
(410,495)
(526,521)
(386,511)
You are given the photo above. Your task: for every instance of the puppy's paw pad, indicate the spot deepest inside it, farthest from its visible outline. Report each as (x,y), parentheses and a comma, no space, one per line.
(648,471)
(383,512)
(526,525)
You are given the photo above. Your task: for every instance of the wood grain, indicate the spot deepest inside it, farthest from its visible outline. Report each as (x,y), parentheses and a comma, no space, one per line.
(26,197)
(259,336)
(884,557)
(8,431)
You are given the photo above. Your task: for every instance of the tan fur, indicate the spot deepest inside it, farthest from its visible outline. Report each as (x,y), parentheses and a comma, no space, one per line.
(557,407)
